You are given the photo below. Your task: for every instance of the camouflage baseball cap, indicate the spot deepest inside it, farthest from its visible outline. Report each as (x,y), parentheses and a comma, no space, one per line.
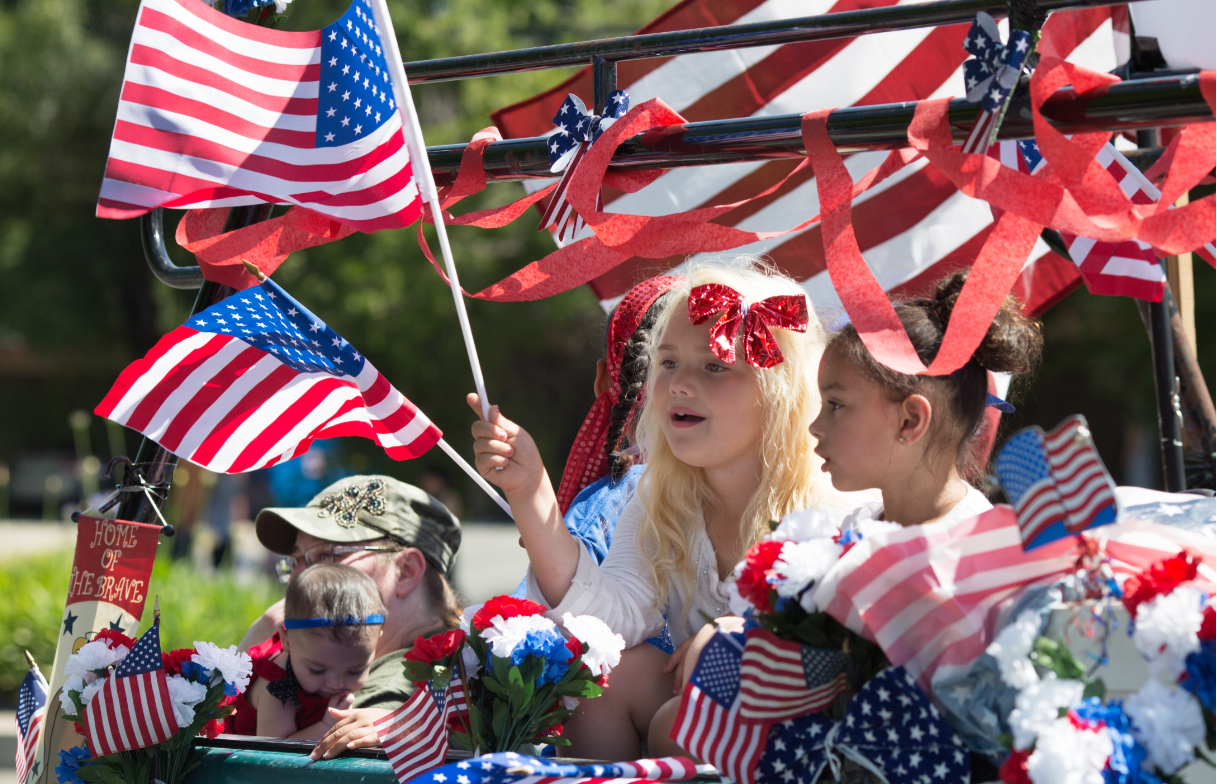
(360,508)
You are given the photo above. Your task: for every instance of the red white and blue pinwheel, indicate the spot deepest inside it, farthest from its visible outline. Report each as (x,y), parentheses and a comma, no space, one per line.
(576,130)
(991,73)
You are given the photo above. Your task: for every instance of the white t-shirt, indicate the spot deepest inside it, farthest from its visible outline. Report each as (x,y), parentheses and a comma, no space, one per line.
(971,505)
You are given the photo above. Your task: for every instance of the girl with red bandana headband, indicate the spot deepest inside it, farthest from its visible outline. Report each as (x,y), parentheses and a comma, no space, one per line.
(729,397)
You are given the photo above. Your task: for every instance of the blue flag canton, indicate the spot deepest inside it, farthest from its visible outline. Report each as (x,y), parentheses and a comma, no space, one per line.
(30,699)
(1022,463)
(356,93)
(267,318)
(821,665)
(144,657)
(717,672)
(1030,151)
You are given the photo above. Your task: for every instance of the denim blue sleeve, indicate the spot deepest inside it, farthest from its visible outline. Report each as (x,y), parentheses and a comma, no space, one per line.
(593,514)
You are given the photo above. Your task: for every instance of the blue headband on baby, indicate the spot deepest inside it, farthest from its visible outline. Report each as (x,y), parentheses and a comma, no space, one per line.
(350,620)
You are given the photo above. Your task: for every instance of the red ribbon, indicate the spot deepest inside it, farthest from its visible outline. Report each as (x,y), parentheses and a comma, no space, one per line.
(760,348)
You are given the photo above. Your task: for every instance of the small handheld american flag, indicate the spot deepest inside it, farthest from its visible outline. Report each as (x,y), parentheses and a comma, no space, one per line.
(215,112)
(709,724)
(1056,481)
(133,709)
(781,679)
(415,736)
(253,380)
(31,710)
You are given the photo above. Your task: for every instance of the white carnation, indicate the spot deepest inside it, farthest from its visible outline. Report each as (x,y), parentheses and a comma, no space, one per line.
(467,617)
(1068,755)
(804,525)
(1167,721)
(281,6)
(570,703)
(1036,708)
(1167,629)
(94,656)
(184,695)
(739,605)
(1011,649)
(604,647)
(234,665)
(802,564)
(469,658)
(505,635)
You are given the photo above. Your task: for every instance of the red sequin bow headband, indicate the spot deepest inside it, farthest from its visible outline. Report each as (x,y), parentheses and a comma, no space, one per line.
(760,348)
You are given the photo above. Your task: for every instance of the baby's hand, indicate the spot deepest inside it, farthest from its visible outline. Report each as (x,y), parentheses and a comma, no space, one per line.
(341,701)
(505,453)
(352,729)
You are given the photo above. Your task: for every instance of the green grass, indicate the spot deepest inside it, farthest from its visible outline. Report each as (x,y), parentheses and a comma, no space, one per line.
(194,606)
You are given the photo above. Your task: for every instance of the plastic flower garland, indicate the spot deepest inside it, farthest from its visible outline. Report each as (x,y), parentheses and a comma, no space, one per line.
(774,584)
(523,678)
(1061,730)
(202,682)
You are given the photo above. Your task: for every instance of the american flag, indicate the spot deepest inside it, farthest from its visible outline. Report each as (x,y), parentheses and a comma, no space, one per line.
(913,229)
(133,709)
(253,380)
(930,595)
(1125,269)
(215,112)
(1056,481)
(511,768)
(709,724)
(415,736)
(31,710)
(780,679)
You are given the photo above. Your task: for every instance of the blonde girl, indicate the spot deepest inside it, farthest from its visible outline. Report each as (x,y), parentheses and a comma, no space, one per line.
(725,432)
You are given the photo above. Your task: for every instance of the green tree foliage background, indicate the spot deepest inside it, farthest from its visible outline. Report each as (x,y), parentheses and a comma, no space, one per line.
(77,301)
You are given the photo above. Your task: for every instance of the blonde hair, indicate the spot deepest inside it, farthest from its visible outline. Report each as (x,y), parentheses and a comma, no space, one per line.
(674,494)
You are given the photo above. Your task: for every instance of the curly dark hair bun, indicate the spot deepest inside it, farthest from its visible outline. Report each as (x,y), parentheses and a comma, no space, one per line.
(1012,344)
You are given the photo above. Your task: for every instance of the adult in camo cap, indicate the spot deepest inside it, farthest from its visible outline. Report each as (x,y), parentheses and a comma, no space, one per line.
(401,537)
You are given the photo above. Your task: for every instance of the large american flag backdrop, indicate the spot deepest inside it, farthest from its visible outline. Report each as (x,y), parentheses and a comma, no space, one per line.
(253,380)
(913,228)
(215,112)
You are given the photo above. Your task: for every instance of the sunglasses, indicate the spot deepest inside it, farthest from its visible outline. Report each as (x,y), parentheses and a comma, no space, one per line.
(322,553)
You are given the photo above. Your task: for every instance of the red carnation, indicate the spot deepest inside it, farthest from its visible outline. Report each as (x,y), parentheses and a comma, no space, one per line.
(172,660)
(437,647)
(1160,578)
(507,607)
(212,728)
(114,638)
(1208,627)
(575,647)
(752,583)
(1014,770)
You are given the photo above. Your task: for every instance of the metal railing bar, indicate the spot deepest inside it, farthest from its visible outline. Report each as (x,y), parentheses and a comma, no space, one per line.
(842,24)
(1128,105)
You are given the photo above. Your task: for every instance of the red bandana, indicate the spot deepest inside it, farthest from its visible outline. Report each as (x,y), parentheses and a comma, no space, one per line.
(760,348)
(587,461)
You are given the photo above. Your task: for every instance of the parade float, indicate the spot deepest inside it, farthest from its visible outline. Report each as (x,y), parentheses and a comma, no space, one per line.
(1088,658)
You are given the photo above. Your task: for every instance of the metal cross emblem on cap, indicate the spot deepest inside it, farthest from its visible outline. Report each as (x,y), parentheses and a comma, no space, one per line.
(345,505)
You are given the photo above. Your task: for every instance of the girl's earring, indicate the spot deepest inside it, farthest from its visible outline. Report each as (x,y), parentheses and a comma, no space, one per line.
(902,439)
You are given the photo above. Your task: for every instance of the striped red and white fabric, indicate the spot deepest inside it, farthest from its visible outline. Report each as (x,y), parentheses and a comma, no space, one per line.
(1086,489)
(662,769)
(913,228)
(781,679)
(215,112)
(253,380)
(930,595)
(415,736)
(132,710)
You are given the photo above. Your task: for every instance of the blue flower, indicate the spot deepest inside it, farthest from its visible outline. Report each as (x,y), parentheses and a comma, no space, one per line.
(548,644)
(195,672)
(1199,678)
(71,761)
(1124,764)
(239,8)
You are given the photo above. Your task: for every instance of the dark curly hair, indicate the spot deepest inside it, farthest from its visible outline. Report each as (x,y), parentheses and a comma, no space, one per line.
(1012,345)
(634,367)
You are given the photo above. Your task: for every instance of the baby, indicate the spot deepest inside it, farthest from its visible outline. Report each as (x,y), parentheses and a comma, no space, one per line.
(333,615)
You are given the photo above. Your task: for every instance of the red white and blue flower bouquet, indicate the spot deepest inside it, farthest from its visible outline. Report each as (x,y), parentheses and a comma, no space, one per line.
(139,709)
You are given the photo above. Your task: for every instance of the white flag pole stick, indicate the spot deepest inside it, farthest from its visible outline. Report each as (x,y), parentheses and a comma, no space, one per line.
(413,133)
(475,476)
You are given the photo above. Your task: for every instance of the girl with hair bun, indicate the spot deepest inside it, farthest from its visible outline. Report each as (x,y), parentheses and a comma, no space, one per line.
(724,432)
(912,436)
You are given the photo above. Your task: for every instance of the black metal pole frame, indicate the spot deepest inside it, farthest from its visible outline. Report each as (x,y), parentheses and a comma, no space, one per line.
(154,464)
